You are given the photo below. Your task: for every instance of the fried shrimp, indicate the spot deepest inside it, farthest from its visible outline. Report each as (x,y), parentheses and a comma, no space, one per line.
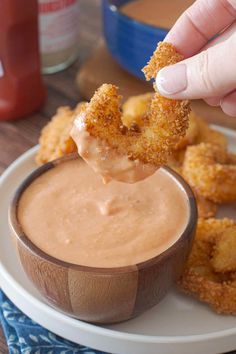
(206,208)
(137,152)
(135,110)
(55,140)
(134,113)
(191,133)
(200,278)
(208,168)
(224,252)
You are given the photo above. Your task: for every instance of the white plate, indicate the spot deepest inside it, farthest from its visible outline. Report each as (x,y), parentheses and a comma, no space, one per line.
(177,325)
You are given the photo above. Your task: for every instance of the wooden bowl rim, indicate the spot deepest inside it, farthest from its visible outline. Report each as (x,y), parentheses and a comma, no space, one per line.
(21,236)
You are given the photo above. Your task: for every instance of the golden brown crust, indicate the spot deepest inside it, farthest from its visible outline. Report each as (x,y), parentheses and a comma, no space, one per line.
(207,169)
(206,208)
(224,251)
(166,121)
(164,55)
(55,140)
(200,279)
(135,109)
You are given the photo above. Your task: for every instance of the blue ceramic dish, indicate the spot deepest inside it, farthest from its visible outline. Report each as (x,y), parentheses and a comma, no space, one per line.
(130,42)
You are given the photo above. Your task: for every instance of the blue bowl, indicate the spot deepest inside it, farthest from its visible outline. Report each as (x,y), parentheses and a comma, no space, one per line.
(130,42)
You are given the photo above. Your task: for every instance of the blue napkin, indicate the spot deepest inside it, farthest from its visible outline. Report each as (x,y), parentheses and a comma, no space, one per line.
(27,337)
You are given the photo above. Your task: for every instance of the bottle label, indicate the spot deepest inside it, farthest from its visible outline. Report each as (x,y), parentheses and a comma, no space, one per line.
(58,24)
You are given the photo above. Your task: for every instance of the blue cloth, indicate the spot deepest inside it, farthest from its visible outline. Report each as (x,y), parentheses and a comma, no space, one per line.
(26,336)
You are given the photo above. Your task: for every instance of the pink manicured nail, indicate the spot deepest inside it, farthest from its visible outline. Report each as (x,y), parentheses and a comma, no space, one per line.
(172,79)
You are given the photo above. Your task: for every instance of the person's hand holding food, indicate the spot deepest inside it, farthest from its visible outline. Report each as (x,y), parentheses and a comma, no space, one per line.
(206,35)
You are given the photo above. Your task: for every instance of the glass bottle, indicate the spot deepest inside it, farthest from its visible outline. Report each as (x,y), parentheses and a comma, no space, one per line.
(58,25)
(21,87)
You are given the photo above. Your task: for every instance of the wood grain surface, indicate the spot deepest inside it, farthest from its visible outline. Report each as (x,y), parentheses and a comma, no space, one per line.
(17,137)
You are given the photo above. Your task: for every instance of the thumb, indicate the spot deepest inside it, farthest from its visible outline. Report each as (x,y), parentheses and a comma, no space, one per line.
(210,73)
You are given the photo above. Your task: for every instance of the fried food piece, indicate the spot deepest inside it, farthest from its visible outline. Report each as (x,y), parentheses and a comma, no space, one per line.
(209,135)
(164,55)
(199,277)
(134,112)
(208,169)
(224,251)
(191,133)
(153,142)
(166,121)
(135,109)
(206,208)
(55,140)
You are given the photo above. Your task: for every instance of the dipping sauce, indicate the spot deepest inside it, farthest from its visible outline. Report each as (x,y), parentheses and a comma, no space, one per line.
(70,214)
(158,13)
(106,161)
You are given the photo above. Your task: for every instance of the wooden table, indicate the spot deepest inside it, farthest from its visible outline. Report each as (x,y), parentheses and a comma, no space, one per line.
(17,137)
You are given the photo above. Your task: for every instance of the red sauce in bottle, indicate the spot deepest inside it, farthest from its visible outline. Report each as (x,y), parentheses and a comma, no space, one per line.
(21,87)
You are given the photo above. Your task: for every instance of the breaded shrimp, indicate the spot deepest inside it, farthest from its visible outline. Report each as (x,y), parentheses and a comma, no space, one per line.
(135,109)
(208,169)
(134,113)
(55,140)
(206,208)
(224,251)
(199,278)
(166,121)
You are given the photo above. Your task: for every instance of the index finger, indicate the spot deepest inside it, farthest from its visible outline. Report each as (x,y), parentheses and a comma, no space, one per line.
(199,23)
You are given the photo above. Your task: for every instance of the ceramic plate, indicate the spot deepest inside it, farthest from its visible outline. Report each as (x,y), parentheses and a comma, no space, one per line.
(178,324)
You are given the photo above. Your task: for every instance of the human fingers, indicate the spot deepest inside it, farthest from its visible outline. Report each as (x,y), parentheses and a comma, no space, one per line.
(213,101)
(211,73)
(224,35)
(199,23)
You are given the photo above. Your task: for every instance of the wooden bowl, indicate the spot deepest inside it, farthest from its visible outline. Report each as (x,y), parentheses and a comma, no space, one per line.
(101,295)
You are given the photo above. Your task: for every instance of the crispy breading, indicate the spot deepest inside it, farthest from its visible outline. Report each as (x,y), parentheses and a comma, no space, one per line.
(191,133)
(224,251)
(199,278)
(135,109)
(134,112)
(208,169)
(55,140)
(166,121)
(164,55)
(206,208)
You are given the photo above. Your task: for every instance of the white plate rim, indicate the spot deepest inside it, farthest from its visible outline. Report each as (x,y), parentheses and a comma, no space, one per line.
(93,329)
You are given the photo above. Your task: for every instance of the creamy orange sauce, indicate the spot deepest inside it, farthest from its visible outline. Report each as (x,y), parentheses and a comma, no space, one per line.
(159,13)
(70,214)
(106,161)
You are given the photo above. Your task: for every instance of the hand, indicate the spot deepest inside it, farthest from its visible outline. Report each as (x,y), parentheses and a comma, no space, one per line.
(209,70)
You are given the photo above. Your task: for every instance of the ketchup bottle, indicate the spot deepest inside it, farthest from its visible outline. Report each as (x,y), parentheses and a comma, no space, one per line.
(21,87)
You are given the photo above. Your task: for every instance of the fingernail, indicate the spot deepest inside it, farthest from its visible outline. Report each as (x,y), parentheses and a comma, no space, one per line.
(172,79)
